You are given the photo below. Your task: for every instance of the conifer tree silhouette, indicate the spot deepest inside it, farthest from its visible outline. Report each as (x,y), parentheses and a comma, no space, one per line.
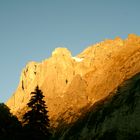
(36,120)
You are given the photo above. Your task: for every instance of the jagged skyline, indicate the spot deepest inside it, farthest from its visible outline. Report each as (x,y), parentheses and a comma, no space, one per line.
(30,30)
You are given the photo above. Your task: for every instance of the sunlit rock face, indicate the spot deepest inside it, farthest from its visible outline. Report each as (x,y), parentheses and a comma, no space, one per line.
(117,117)
(73,83)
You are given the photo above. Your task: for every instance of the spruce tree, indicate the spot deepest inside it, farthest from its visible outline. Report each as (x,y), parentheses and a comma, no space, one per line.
(36,120)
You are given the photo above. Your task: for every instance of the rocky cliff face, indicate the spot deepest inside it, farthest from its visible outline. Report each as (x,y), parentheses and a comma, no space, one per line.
(70,84)
(116,117)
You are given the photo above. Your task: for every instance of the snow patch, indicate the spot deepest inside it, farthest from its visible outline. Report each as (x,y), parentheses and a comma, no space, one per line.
(78,59)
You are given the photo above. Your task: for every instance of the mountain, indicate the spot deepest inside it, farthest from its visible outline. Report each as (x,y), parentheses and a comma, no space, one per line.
(72,85)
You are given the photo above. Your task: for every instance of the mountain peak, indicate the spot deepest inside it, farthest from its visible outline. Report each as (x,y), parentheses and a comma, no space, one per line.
(61,52)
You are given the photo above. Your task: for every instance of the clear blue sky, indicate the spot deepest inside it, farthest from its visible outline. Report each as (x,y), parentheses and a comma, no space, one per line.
(31,29)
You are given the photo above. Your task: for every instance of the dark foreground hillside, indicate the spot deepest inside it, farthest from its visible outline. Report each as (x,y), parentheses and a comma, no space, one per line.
(115,118)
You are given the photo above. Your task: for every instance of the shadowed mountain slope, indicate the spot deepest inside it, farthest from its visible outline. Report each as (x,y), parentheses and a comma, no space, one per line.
(117,117)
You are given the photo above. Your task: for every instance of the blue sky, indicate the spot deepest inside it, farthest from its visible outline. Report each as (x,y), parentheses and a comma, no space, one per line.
(31,29)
